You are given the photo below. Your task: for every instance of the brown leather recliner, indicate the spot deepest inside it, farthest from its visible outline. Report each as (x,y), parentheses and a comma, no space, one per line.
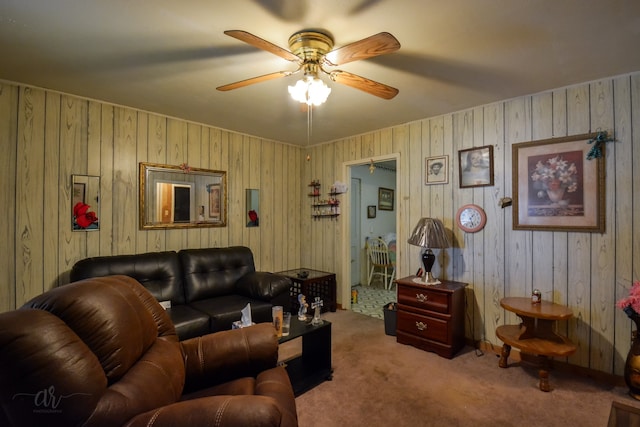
(103,352)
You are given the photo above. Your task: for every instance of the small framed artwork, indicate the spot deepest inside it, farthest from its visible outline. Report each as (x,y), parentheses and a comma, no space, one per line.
(476,166)
(215,201)
(371,211)
(85,202)
(436,170)
(385,199)
(555,188)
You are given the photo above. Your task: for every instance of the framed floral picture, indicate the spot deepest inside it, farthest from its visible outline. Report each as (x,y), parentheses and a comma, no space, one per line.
(556,188)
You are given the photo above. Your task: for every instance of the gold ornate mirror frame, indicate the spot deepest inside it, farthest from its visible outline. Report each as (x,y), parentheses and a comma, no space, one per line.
(181,197)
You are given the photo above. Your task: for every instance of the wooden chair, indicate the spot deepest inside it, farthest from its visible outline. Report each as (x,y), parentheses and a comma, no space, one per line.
(380,262)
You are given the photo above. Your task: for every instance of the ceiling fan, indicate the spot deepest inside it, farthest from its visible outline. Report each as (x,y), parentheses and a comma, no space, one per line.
(312,51)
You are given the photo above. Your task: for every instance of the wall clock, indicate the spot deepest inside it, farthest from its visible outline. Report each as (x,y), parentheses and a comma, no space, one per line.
(471,218)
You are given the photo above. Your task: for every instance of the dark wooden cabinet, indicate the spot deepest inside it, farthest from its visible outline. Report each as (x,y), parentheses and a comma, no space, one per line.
(431,318)
(312,283)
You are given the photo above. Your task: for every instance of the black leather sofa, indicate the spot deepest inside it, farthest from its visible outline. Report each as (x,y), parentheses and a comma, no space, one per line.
(207,288)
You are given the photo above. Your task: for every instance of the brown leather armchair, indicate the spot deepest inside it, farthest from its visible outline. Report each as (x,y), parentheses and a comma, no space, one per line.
(103,352)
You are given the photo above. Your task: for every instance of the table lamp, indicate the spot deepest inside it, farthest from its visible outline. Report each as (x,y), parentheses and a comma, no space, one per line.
(429,233)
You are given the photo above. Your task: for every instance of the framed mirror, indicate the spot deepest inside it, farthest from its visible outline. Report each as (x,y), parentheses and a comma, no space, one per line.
(253,207)
(181,197)
(85,202)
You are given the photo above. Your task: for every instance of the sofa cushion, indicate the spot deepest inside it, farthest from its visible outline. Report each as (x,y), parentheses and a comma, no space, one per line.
(225,310)
(159,272)
(188,321)
(213,272)
(263,285)
(237,387)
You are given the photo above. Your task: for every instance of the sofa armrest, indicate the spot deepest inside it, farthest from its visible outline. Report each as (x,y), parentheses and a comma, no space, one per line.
(223,356)
(215,411)
(263,286)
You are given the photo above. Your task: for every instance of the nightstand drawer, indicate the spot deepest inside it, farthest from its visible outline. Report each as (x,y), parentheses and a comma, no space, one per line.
(423,326)
(424,298)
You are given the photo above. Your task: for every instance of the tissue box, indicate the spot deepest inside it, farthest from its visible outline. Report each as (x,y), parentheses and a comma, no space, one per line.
(238,325)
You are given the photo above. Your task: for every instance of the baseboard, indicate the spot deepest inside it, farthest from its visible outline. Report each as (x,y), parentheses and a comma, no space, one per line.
(531,360)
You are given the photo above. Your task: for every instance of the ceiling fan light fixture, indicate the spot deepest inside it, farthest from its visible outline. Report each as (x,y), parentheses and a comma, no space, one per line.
(312,49)
(310,90)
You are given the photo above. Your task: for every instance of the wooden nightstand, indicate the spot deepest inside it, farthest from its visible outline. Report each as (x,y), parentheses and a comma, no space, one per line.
(431,317)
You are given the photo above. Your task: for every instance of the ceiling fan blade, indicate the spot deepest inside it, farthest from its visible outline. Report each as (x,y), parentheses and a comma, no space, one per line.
(378,44)
(364,84)
(262,44)
(259,79)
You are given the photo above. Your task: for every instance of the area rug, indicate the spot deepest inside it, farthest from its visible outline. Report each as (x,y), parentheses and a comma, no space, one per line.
(379,382)
(372,299)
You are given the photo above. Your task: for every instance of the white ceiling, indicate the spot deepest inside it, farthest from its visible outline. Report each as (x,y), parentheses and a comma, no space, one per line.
(168,56)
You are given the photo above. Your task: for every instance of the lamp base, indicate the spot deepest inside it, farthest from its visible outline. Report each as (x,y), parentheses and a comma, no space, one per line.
(428,259)
(425,280)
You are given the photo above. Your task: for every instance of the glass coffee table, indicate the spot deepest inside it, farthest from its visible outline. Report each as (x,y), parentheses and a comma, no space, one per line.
(313,365)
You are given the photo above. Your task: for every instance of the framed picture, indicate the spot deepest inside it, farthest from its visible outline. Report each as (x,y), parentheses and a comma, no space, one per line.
(556,188)
(215,201)
(371,211)
(436,170)
(476,166)
(385,199)
(85,203)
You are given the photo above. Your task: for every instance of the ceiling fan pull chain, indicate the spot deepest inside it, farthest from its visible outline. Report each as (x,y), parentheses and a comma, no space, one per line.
(309,122)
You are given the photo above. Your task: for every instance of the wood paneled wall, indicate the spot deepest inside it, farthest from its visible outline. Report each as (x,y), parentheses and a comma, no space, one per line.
(588,272)
(46,137)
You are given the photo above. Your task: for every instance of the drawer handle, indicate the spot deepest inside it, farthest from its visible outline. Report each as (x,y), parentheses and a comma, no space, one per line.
(421,326)
(421,297)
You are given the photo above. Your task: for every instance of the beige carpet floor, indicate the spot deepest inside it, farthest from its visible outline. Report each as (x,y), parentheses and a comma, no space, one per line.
(378,382)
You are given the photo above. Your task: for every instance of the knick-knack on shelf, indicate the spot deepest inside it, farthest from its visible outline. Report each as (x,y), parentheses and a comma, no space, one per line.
(316,305)
(302,311)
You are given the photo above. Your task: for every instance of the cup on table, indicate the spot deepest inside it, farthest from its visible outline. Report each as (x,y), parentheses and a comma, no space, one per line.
(286,324)
(276,313)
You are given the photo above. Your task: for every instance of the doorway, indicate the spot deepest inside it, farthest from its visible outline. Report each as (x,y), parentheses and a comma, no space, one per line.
(363,222)
(174,202)
(356,227)
(182,204)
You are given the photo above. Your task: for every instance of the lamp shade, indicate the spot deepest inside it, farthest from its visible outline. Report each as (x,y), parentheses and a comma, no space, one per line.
(429,233)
